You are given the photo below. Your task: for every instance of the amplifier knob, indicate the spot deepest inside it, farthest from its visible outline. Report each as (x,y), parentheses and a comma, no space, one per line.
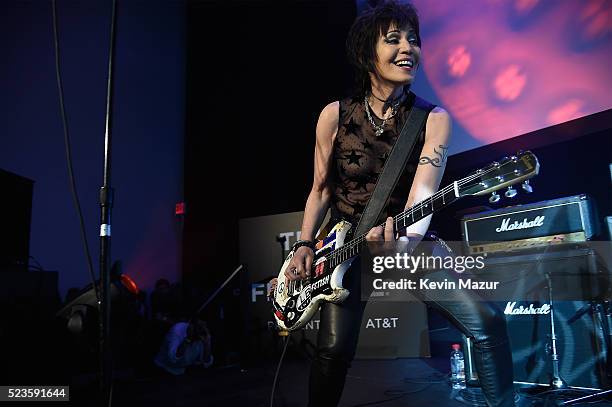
(510,193)
(494,198)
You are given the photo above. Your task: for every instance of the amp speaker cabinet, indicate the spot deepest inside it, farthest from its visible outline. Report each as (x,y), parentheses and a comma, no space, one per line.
(580,325)
(15,217)
(580,345)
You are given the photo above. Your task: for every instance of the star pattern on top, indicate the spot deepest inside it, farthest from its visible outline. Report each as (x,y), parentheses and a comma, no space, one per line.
(353,158)
(362,182)
(366,144)
(359,155)
(344,191)
(351,127)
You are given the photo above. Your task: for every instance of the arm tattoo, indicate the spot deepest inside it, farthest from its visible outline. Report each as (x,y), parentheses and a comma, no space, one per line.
(436,161)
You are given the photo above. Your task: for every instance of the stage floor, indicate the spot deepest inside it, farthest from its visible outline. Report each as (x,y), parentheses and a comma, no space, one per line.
(389,383)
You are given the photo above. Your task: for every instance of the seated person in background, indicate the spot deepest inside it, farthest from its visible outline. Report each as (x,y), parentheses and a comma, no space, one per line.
(186,344)
(161,303)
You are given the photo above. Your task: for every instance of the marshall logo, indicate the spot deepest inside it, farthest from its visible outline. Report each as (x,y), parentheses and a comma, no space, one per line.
(530,310)
(506,226)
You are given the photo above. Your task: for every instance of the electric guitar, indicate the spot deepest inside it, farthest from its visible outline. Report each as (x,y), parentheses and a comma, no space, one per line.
(295,302)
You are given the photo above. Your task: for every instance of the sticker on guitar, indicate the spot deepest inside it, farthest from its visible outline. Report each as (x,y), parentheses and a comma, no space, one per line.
(319,269)
(304,299)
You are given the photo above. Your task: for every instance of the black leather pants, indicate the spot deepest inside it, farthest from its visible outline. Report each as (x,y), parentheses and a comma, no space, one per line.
(339,331)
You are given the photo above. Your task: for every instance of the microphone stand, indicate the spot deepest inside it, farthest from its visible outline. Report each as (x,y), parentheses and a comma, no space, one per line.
(607,319)
(106,204)
(557,382)
(213,295)
(608,325)
(281,240)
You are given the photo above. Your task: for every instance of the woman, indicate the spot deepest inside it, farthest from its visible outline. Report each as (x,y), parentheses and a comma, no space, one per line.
(353,139)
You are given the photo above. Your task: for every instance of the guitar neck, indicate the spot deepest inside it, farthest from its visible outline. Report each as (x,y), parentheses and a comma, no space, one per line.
(401,221)
(508,171)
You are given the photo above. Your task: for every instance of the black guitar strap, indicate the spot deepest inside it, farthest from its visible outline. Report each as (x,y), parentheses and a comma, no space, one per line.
(394,166)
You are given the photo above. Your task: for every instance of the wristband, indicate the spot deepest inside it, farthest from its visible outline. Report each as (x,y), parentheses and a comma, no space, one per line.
(300,243)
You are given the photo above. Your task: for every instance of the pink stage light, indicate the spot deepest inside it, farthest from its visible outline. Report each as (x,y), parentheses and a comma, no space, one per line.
(503,69)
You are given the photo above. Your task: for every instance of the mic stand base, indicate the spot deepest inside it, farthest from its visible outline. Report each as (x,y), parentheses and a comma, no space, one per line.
(558,383)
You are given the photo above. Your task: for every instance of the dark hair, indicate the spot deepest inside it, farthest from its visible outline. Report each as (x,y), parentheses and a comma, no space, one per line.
(197,328)
(365,32)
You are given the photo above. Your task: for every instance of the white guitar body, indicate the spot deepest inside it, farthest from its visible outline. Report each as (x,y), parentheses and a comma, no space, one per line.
(296,302)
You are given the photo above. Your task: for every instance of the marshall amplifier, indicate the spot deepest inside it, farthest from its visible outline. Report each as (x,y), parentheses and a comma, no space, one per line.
(579,316)
(581,343)
(560,220)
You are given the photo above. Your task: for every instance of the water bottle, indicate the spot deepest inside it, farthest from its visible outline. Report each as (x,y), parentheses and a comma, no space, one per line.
(457,368)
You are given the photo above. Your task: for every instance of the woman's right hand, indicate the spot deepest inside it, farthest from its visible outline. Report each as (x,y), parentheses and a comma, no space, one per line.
(300,265)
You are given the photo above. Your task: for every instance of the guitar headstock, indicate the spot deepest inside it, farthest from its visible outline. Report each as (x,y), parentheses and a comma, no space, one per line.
(500,174)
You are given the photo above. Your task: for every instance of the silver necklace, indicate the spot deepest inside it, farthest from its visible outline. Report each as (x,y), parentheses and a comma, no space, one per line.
(380,129)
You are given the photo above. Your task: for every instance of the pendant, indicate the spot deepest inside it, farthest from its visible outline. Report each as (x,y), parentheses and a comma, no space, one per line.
(379,131)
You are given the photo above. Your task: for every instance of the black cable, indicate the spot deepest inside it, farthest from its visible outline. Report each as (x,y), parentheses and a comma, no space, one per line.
(434,378)
(398,394)
(280,362)
(73,188)
(395,395)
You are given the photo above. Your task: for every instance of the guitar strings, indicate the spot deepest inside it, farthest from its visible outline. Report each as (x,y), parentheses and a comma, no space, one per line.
(410,211)
(333,255)
(419,206)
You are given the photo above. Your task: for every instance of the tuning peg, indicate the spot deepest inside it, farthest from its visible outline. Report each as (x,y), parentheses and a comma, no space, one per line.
(510,193)
(528,188)
(494,198)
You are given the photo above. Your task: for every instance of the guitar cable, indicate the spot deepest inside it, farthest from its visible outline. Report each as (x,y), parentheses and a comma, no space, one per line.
(68,148)
(280,362)
(73,187)
(393,394)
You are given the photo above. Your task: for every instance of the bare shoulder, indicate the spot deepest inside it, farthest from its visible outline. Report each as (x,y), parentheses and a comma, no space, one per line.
(439,116)
(438,125)
(330,113)
(327,126)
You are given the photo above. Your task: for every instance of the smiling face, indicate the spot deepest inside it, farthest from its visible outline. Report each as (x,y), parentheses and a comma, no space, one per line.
(398,54)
